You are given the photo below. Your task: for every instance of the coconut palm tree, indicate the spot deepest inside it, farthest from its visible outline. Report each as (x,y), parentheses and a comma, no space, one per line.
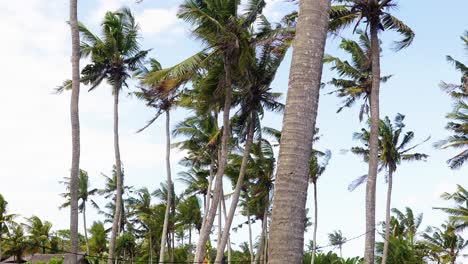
(40,233)
(75,126)
(354,80)
(458,215)
(444,243)
(114,57)
(376,14)
(317,168)
(459,115)
(5,218)
(289,214)
(16,243)
(98,240)
(337,239)
(83,195)
(393,149)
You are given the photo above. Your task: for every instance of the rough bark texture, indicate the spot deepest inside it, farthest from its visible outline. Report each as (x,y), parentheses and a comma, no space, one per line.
(373,146)
(118,172)
(169,190)
(314,241)
(75,127)
(236,194)
(387,217)
(208,224)
(286,243)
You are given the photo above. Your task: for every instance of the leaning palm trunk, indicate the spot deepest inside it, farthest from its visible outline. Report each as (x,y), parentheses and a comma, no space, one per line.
(85,229)
(169,190)
(75,126)
(225,219)
(237,191)
(118,166)
(373,146)
(208,224)
(314,241)
(286,243)
(387,217)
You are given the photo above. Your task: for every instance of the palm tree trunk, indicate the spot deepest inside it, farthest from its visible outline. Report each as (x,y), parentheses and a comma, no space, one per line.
(225,219)
(150,247)
(208,224)
(118,166)
(220,223)
(208,195)
(169,189)
(314,241)
(387,217)
(0,244)
(250,235)
(263,234)
(237,191)
(85,229)
(373,146)
(75,127)
(286,242)
(265,252)
(190,236)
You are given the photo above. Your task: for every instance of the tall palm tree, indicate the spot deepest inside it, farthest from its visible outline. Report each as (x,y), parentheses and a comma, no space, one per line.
(317,168)
(289,214)
(393,149)
(459,116)
(98,240)
(354,80)
(83,195)
(255,98)
(337,239)
(114,58)
(376,14)
(75,127)
(458,215)
(5,218)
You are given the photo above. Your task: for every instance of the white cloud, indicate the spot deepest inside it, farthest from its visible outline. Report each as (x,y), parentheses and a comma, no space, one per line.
(157,21)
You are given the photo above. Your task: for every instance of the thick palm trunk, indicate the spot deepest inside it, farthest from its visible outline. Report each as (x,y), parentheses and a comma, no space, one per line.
(75,127)
(208,224)
(373,146)
(249,222)
(85,229)
(286,242)
(387,217)
(237,191)
(314,241)
(118,166)
(169,190)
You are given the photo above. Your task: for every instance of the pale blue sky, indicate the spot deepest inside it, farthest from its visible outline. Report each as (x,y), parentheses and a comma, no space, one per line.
(36,136)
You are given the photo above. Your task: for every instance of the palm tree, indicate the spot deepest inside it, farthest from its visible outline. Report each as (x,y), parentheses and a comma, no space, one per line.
(444,243)
(316,170)
(162,194)
(98,240)
(376,14)
(393,149)
(337,239)
(459,115)
(16,244)
(40,232)
(458,215)
(114,57)
(354,80)
(289,212)
(4,220)
(83,194)
(75,126)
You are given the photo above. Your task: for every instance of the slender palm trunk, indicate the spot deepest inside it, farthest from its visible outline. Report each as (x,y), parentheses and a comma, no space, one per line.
(225,219)
(249,222)
(75,127)
(210,185)
(169,189)
(190,236)
(118,166)
(314,241)
(220,223)
(260,249)
(0,244)
(286,244)
(208,224)
(237,191)
(341,251)
(265,251)
(85,229)
(150,247)
(373,146)
(387,217)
